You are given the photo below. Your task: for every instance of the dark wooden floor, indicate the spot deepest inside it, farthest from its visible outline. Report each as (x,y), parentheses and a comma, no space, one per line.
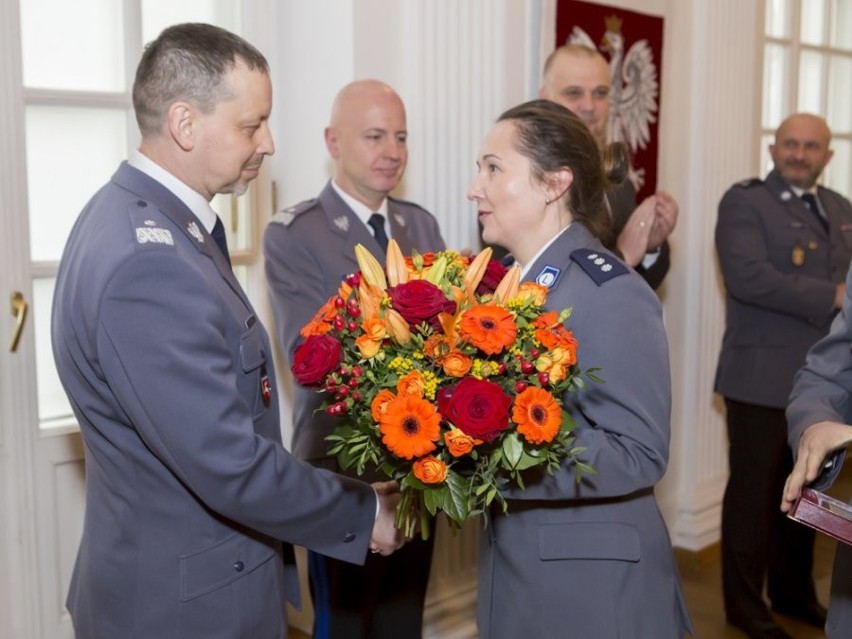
(701,576)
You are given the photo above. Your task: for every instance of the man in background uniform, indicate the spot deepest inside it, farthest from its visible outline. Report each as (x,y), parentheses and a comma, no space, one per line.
(309,249)
(784,247)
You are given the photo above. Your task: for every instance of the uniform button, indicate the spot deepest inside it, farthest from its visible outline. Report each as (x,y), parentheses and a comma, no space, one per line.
(141,203)
(350,536)
(239,566)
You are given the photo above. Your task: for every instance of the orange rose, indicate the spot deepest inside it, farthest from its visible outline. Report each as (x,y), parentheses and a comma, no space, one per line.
(368,347)
(430,470)
(457,364)
(410,385)
(379,406)
(537,292)
(374,328)
(458,443)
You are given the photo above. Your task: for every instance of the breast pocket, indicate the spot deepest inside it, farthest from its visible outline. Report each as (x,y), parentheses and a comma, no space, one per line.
(254,382)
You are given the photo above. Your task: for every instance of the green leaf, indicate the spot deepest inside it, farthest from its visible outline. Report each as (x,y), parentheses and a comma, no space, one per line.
(512,449)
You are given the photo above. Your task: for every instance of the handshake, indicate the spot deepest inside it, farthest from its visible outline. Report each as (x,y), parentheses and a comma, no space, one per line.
(386,536)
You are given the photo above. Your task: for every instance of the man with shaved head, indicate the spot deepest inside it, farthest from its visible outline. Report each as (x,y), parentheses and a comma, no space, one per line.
(309,249)
(784,246)
(578,78)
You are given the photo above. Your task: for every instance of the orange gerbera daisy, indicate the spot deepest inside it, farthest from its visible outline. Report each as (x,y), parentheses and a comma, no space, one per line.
(410,427)
(321,322)
(537,415)
(488,327)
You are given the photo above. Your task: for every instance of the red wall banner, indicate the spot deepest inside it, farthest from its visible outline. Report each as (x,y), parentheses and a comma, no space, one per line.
(632,43)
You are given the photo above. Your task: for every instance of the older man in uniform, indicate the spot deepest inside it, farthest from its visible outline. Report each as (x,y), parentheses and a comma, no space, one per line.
(309,249)
(189,490)
(578,78)
(784,247)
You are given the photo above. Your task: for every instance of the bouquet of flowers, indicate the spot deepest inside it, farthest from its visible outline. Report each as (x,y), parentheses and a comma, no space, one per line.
(447,374)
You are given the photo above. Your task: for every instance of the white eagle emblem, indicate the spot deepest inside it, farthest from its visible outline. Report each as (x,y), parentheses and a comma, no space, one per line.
(633,97)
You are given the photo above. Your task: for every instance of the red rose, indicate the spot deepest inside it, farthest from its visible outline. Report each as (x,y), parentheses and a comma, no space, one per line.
(477,407)
(315,358)
(420,301)
(494,272)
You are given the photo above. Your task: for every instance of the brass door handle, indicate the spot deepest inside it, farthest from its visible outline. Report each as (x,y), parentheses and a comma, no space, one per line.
(19,310)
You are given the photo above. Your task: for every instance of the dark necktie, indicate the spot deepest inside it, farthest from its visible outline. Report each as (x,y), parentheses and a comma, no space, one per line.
(810,201)
(218,234)
(377,221)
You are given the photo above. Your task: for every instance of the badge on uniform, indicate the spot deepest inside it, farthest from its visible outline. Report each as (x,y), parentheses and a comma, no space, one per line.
(265,387)
(798,255)
(547,276)
(195,232)
(342,223)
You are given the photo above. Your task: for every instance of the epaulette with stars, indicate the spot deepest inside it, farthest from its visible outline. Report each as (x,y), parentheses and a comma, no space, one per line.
(601,267)
(286,216)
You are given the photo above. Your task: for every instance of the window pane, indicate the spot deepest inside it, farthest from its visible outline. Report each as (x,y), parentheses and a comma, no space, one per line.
(775,73)
(52,401)
(71,152)
(841,24)
(85,39)
(810,82)
(813,19)
(838,171)
(840,94)
(778,18)
(766,164)
(158,14)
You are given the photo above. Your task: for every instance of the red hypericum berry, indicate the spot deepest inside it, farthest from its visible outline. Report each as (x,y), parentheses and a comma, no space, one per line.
(527,367)
(534,353)
(357,371)
(352,326)
(342,392)
(544,378)
(343,371)
(353,382)
(338,323)
(501,368)
(331,387)
(520,386)
(356,396)
(332,409)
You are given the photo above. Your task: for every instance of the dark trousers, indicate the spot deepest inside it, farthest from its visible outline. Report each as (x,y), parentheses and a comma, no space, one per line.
(759,543)
(383,599)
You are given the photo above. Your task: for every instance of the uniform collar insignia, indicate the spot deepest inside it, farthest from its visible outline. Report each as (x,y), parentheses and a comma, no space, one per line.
(547,276)
(399,220)
(150,223)
(786,195)
(195,232)
(342,223)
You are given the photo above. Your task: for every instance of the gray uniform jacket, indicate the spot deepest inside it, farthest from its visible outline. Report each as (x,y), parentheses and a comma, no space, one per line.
(780,269)
(594,559)
(309,249)
(823,392)
(188,485)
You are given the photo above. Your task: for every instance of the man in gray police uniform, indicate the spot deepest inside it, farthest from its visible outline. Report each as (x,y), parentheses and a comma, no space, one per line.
(784,246)
(188,487)
(309,249)
(819,415)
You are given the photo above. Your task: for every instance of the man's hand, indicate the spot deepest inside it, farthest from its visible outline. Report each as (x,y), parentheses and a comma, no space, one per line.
(386,537)
(632,242)
(665,218)
(817,442)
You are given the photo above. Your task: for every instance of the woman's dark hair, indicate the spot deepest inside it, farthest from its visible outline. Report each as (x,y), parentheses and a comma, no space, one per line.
(187,62)
(552,138)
